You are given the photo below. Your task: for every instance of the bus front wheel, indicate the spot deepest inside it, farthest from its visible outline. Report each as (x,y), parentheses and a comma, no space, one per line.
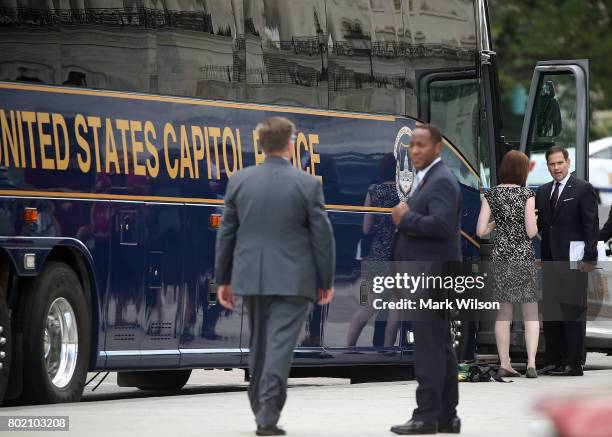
(56,337)
(5,345)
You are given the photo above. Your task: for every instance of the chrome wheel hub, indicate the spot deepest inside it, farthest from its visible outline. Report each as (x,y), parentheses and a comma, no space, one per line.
(60,342)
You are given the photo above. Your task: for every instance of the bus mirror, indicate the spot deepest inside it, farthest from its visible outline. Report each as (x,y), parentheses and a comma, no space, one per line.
(548,122)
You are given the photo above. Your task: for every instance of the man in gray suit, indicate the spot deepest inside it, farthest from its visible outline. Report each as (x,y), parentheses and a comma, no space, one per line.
(276,249)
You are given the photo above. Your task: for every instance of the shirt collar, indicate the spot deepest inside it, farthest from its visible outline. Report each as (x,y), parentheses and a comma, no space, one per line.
(421,173)
(277,158)
(563,182)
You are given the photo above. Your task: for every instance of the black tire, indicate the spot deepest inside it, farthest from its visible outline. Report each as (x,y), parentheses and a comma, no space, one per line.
(56,280)
(155,379)
(6,345)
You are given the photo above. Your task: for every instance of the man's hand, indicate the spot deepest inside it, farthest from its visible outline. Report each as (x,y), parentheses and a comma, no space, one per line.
(398,211)
(324,296)
(586,267)
(225,297)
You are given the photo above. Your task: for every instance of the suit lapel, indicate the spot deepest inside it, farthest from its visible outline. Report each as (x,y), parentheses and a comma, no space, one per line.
(568,192)
(547,193)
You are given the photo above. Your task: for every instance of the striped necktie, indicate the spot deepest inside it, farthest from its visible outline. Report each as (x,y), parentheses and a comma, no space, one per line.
(555,196)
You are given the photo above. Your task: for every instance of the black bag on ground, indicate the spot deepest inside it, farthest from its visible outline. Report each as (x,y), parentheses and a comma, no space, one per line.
(483,372)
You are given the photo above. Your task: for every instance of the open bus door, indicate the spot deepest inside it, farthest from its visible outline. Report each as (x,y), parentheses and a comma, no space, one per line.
(557,113)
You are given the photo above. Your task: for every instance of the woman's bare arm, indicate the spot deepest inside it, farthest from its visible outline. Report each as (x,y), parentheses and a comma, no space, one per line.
(483,227)
(531,222)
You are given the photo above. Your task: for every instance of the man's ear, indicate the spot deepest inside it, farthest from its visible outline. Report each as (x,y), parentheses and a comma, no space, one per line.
(438,148)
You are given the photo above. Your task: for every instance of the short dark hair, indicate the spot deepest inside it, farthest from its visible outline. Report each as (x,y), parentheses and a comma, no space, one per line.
(274,133)
(514,168)
(386,168)
(434,131)
(557,149)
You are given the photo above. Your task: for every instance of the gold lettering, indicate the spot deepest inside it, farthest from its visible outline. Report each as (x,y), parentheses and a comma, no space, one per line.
(81,124)
(239,143)
(315,158)
(294,159)
(260,156)
(95,123)
(215,133)
(185,154)
(30,118)
(229,135)
(149,129)
(58,121)
(198,152)
(137,147)
(9,138)
(44,140)
(207,148)
(21,142)
(123,126)
(111,148)
(169,131)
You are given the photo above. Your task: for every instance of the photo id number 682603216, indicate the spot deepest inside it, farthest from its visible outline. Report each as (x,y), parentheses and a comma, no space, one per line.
(34,423)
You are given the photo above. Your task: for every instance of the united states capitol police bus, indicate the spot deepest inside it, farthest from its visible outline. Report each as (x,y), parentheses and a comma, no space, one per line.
(121,122)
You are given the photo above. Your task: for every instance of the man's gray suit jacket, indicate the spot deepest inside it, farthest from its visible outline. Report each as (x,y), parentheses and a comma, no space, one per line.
(275,237)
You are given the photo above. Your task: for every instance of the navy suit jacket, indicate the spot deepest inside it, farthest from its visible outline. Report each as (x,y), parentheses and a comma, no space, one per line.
(431,229)
(575,218)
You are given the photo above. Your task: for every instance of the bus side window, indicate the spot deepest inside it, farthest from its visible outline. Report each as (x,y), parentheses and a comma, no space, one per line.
(189,49)
(439,35)
(454,106)
(286,53)
(367,71)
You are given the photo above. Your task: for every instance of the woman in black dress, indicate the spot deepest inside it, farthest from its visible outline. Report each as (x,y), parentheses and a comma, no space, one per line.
(512,207)
(379,228)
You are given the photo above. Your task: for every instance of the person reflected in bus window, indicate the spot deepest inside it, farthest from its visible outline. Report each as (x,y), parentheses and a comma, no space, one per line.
(376,245)
(214,189)
(512,207)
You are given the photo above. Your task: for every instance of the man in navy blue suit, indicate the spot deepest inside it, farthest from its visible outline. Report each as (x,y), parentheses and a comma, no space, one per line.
(567,211)
(428,230)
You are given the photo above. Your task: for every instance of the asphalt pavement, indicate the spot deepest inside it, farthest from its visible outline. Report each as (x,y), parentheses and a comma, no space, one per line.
(214,403)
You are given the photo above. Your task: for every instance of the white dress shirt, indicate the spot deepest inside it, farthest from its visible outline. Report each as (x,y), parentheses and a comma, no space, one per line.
(421,175)
(562,184)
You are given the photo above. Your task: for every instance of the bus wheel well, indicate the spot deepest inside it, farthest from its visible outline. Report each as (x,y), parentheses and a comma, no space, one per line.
(76,261)
(6,268)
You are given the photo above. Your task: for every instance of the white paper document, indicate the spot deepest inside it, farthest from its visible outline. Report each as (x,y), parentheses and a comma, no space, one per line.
(576,252)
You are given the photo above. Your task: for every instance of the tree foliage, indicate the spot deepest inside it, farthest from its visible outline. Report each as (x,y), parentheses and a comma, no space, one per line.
(525,31)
